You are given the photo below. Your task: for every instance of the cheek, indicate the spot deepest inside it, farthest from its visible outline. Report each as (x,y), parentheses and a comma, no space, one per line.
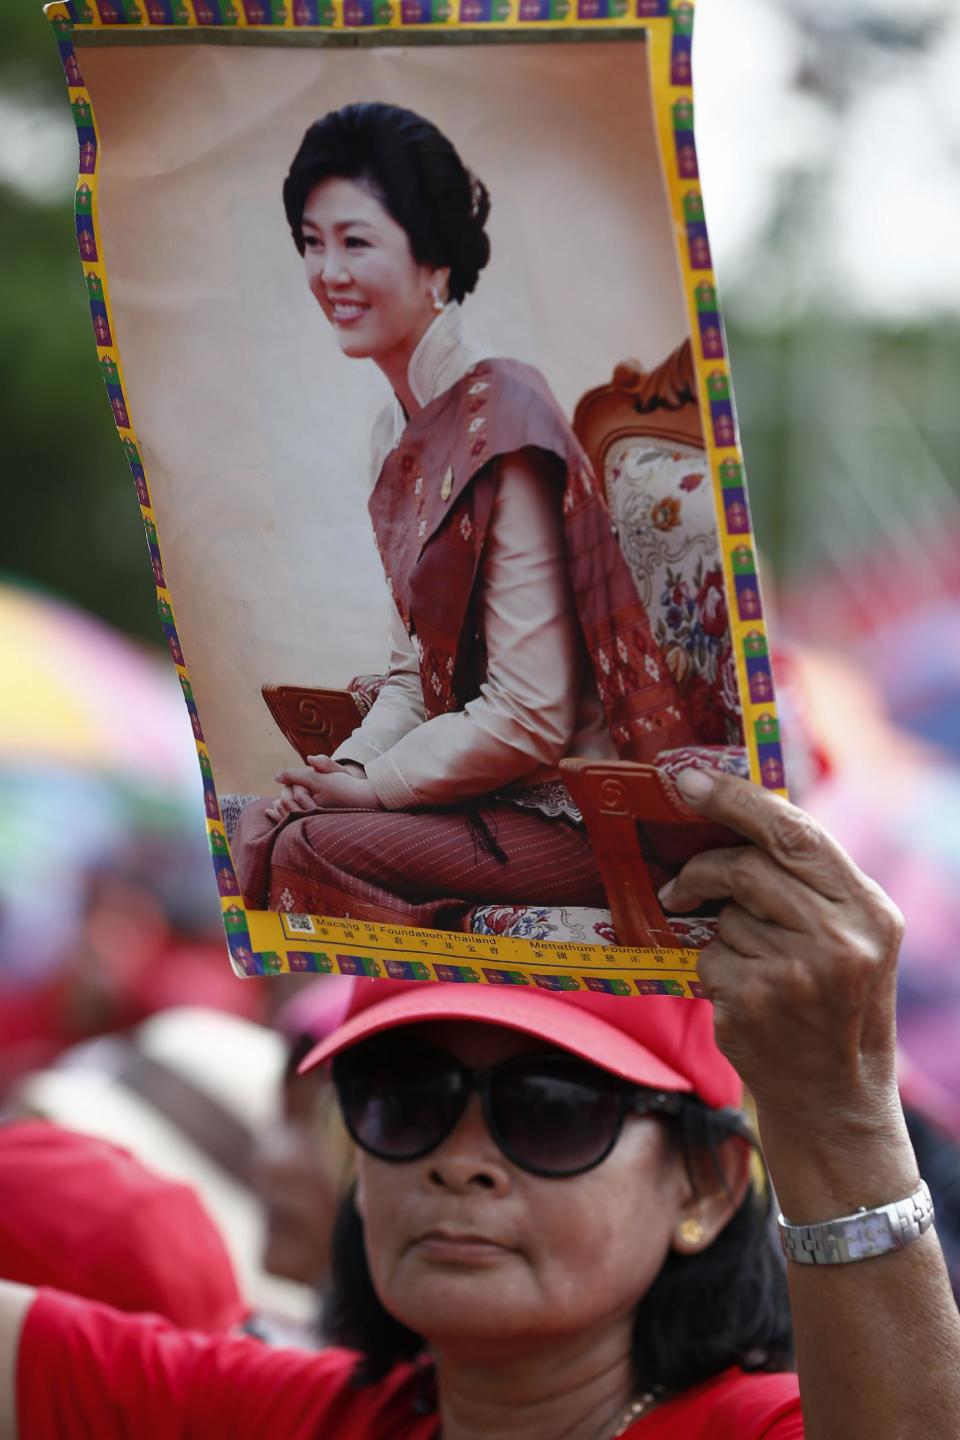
(378,1196)
(393,282)
(601,1242)
(599,1256)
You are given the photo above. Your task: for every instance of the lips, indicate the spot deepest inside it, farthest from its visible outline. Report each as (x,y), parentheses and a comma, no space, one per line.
(460,1247)
(347,312)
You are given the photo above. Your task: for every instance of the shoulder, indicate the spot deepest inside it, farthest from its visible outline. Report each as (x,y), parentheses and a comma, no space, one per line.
(112,1368)
(731,1406)
(507,377)
(505,406)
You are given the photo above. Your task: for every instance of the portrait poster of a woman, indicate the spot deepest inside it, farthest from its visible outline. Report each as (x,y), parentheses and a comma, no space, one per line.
(518,637)
(417,519)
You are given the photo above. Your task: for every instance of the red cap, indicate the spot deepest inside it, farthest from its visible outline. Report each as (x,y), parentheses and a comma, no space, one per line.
(657,1040)
(86,1217)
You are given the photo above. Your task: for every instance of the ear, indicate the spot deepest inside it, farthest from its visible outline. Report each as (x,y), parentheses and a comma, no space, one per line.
(440,281)
(718,1183)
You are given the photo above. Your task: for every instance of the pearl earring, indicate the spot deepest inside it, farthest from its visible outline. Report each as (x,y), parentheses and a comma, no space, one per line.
(438,304)
(690,1232)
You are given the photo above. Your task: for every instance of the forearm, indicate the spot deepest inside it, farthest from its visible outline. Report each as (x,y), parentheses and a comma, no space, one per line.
(398,708)
(455,758)
(878,1340)
(15,1301)
(803,981)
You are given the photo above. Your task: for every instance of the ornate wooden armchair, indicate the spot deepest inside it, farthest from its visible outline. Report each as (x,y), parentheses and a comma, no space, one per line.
(643,434)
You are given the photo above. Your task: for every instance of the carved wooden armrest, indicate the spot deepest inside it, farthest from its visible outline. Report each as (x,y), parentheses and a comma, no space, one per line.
(641,832)
(314,721)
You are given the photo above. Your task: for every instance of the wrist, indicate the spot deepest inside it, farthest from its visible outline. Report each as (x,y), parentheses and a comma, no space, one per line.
(354,768)
(832,1162)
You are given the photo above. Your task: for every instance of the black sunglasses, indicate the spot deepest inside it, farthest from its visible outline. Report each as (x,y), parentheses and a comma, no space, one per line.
(550,1113)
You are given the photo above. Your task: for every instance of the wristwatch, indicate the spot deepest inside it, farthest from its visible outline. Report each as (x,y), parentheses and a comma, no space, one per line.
(859,1236)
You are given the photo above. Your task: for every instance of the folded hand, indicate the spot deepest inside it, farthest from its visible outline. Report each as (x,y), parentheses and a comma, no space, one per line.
(322,785)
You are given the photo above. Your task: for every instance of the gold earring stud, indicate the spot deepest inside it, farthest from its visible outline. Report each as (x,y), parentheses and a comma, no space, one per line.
(690,1232)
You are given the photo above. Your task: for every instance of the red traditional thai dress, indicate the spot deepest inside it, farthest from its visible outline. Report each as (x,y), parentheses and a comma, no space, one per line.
(518,639)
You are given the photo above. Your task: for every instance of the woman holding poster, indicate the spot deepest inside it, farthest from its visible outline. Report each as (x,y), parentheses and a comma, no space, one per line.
(517,634)
(557,1231)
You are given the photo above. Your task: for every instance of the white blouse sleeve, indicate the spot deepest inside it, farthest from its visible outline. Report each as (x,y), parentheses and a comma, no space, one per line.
(398,707)
(525,714)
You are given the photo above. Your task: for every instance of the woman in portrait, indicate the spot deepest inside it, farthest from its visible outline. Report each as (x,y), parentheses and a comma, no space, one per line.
(517,636)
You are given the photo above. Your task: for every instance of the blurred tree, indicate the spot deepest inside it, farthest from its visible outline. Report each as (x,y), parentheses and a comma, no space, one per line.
(71,518)
(28,60)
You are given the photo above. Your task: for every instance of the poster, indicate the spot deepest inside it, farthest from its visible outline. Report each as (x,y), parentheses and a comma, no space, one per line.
(409,328)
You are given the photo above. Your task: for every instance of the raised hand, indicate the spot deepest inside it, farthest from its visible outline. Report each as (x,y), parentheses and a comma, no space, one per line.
(803,972)
(803,981)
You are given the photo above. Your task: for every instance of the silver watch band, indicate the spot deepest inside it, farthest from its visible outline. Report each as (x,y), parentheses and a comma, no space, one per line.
(859,1236)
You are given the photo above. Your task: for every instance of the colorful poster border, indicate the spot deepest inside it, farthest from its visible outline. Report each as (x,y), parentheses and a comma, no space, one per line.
(261,942)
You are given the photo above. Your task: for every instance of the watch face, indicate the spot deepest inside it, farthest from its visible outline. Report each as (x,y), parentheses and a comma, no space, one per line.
(870,1235)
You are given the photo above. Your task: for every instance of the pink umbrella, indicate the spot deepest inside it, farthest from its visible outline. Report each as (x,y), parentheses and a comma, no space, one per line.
(78,693)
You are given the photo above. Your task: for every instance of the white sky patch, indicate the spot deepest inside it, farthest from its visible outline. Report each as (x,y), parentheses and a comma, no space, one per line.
(750,128)
(38,149)
(877,237)
(896,208)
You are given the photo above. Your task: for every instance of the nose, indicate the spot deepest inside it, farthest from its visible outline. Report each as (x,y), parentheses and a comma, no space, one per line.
(468,1159)
(334,270)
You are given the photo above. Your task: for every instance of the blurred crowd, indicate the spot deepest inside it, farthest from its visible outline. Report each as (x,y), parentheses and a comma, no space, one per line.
(150,1103)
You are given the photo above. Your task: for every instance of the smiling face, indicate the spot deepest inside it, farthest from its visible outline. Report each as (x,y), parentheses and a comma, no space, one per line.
(361,270)
(468,1250)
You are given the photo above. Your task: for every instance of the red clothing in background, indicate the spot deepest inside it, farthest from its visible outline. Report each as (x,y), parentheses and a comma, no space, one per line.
(85,1370)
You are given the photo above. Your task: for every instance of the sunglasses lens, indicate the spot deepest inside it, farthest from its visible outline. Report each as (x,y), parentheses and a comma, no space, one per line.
(555,1116)
(398,1102)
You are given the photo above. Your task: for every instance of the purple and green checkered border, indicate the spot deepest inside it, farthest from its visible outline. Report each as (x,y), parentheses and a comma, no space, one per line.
(713,370)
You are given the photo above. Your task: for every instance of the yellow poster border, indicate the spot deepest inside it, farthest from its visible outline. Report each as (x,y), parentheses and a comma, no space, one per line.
(263,942)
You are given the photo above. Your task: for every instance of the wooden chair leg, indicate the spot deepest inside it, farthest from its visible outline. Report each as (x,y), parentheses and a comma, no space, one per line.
(614,797)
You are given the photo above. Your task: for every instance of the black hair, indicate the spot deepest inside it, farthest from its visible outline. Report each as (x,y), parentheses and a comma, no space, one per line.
(415,173)
(299,1048)
(705,1312)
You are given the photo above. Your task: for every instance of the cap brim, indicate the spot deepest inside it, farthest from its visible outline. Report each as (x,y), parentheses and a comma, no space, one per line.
(533,1012)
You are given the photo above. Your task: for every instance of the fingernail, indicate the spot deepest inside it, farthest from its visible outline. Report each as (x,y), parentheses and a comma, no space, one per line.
(664,893)
(694,784)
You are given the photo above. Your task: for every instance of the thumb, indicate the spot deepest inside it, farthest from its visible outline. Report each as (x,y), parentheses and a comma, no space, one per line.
(322,763)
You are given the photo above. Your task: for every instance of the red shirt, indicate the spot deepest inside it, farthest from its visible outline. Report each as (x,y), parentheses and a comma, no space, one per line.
(85,1370)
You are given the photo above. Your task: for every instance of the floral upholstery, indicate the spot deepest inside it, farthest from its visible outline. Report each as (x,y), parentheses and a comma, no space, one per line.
(231,808)
(730,759)
(661,500)
(365,689)
(572,925)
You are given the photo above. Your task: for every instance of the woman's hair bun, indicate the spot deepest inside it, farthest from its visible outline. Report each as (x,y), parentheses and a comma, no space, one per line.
(475,246)
(415,172)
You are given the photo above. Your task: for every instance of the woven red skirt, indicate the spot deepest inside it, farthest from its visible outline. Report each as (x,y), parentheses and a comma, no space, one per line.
(429,868)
